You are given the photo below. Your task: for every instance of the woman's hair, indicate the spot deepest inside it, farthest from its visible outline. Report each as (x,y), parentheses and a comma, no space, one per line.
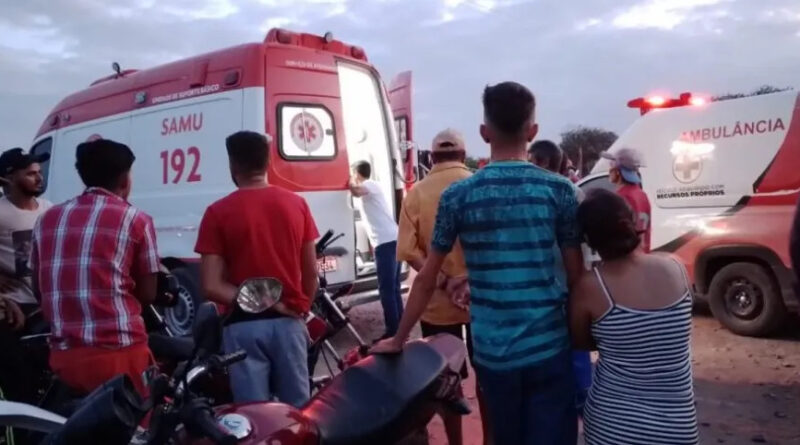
(608,224)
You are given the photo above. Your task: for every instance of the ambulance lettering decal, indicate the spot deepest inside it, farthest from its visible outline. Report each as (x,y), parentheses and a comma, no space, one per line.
(186,94)
(174,161)
(307,132)
(182,124)
(735,130)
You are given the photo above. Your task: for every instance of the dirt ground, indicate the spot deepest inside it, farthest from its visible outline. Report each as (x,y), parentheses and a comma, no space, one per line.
(747,390)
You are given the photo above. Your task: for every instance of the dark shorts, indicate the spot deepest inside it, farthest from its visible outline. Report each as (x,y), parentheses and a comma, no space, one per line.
(429,330)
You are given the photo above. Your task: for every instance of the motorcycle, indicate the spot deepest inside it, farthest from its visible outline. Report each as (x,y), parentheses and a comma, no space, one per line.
(379,399)
(325,320)
(49,392)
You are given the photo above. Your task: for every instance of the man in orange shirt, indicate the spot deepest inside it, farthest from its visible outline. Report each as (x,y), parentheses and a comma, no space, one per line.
(446,313)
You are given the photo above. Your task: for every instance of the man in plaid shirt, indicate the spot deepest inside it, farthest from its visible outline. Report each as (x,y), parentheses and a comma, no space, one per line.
(95,264)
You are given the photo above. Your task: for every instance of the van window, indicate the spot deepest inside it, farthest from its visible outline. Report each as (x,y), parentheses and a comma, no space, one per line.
(599,182)
(41,147)
(306,132)
(401,124)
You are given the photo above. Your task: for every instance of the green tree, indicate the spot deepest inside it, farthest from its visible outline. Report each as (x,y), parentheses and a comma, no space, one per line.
(583,145)
(763,89)
(471,162)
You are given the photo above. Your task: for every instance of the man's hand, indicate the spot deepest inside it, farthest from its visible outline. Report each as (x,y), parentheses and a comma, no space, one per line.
(387,346)
(442,281)
(12,314)
(458,288)
(281,308)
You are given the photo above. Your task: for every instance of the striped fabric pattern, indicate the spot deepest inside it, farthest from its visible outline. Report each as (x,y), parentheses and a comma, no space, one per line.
(508,217)
(642,389)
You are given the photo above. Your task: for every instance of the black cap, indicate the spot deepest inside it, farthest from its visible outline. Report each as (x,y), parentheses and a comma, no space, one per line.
(17,159)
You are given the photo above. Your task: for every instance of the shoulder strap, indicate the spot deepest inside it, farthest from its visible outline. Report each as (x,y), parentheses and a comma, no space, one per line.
(603,285)
(682,268)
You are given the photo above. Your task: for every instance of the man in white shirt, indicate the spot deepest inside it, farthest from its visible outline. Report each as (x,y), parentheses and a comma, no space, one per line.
(20,207)
(382,230)
(19,210)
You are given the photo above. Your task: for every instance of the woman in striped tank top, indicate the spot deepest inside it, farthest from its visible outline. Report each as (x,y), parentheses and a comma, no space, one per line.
(635,309)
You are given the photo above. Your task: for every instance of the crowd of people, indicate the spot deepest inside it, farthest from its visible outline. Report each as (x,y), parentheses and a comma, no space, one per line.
(498,259)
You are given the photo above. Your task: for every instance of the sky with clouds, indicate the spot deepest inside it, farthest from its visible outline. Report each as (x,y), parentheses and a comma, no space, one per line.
(584,59)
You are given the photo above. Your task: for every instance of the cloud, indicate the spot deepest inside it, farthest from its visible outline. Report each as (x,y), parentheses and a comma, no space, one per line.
(660,14)
(583,59)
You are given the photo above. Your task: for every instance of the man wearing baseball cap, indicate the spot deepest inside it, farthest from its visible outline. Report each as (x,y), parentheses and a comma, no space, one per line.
(624,173)
(20,207)
(446,312)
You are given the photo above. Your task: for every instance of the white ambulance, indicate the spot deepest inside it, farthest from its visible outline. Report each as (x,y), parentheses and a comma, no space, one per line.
(722,179)
(320,100)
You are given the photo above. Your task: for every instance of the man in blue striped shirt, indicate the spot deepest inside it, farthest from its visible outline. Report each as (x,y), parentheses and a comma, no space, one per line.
(508,217)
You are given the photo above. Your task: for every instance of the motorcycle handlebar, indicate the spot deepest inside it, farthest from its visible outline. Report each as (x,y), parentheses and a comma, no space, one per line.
(215,362)
(234,357)
(326,240)
(323,242)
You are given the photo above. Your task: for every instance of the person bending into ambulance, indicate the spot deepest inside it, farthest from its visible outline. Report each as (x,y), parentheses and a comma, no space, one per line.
(624,173)
(382,231)
(261,231)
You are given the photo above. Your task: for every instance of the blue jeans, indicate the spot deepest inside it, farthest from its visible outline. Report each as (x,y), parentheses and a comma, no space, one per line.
(277,361)
(388,270)
(532,405)
(582,365)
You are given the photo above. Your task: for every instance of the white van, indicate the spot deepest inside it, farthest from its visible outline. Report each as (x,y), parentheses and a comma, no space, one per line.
(723,179)
(320,100)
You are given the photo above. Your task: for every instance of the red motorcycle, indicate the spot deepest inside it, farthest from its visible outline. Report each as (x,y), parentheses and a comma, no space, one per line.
(324,322)
(379,400)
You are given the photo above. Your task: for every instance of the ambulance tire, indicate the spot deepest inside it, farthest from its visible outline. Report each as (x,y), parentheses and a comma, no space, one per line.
(180,317)
(746,299)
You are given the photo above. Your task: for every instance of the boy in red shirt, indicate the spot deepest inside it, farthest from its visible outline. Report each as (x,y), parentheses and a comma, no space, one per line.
(255,232)
(624,173)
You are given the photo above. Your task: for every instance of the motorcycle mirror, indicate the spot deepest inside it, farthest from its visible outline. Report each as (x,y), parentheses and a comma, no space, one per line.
(258,295)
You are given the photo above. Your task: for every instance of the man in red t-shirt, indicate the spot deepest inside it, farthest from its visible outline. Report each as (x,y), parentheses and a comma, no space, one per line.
(624,173)
(261,231)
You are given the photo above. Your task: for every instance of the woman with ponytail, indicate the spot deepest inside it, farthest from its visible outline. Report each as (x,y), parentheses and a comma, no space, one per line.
(635,309)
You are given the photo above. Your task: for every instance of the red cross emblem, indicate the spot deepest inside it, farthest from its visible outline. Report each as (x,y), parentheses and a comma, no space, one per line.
(306,131)
(686,168)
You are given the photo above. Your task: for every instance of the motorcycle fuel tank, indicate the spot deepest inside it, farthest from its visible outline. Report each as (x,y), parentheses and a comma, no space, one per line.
(262,424)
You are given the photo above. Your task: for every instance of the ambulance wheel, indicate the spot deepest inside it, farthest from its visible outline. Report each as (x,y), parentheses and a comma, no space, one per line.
(180,317)
(746,299)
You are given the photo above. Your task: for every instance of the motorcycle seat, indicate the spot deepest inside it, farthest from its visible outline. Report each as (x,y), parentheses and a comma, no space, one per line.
(371,400)
(175,348)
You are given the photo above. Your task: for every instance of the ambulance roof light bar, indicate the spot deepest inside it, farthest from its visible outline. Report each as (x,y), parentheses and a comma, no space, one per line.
(324,42)
(645,104)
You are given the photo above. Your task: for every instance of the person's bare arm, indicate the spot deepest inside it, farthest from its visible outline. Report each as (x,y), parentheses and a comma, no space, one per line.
(580,316)
(418,299)
(356,189)
(573,264)
(309,272)
(212,277)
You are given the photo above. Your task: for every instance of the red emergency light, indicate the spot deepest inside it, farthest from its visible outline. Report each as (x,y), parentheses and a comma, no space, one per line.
(645,104)
(324,42)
